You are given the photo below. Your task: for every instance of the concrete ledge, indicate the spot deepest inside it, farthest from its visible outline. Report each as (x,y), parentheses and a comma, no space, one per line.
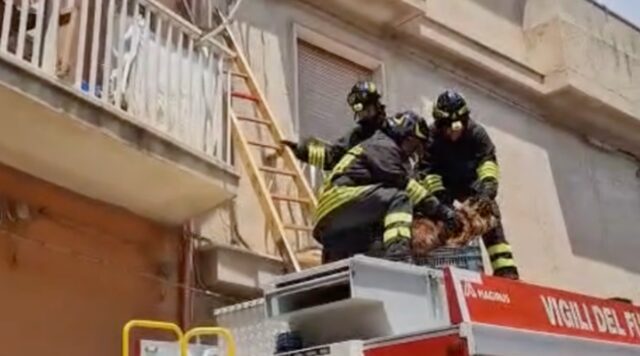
(578,108)
(238,272)
(383,13)
(55,133)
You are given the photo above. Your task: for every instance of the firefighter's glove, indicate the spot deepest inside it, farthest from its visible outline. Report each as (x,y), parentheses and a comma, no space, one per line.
(398,250)
(449,219)
(295,148)
(427,207)
(292,145)
(487,189)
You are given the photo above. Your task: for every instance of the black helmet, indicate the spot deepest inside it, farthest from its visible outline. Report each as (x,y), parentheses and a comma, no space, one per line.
(450,107)
(407,124)
(361,94)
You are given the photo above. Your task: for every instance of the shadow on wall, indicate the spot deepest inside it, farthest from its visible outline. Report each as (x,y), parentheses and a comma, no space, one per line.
(264,42)
(598,192)
(512,10)
(272,63)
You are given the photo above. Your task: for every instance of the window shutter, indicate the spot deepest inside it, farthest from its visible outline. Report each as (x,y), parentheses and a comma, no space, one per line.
(324,80)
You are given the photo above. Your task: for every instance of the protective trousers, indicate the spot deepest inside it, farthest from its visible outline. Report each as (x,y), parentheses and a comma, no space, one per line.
(379,215)
(498,248)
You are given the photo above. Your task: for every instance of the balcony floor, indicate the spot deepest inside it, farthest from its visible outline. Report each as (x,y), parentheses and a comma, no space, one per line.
(54,133)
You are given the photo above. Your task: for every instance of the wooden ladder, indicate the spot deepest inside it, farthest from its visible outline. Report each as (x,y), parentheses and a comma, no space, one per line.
(285,196)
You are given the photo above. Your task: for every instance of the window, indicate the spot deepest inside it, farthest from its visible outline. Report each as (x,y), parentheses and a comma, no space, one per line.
(324,80)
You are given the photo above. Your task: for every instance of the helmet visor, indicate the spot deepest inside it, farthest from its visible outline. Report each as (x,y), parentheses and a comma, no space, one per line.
(443,123)
(353,98)
(357,107)
(454,125)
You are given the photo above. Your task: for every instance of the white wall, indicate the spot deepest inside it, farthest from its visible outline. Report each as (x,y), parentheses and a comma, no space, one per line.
(570,210)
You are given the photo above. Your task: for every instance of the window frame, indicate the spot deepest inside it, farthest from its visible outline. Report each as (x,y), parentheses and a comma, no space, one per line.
(337,48)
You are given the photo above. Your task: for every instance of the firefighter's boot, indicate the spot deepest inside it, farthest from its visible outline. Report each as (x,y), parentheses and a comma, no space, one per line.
(398,250)
(508,273)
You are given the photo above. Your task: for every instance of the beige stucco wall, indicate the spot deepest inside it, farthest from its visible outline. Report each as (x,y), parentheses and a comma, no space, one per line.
(573,37)
(570,210)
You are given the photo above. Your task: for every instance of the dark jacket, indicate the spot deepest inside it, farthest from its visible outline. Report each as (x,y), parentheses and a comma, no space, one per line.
(327,155)
(377,160)
(457,166)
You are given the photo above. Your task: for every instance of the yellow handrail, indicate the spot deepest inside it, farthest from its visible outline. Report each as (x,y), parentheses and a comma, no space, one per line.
(147,324)
(220,332)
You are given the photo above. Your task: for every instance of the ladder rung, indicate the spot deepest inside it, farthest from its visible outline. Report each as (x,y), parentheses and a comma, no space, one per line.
(278,171)
(299,227)
(263,144)
(245,96)
(290,198)
(238,74)
(253,119)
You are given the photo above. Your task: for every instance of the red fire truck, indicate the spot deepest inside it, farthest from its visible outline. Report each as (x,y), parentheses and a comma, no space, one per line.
(370,307)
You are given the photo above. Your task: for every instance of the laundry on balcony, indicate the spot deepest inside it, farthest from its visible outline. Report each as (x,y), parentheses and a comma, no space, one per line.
(30,32)
(134,57)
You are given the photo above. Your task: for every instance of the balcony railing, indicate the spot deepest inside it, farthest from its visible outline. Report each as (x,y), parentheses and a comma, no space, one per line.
(134,57)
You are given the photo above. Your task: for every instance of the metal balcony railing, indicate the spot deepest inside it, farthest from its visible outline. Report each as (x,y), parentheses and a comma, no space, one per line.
(134,57)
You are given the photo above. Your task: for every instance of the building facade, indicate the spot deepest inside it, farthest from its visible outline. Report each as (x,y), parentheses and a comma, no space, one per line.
(555,83)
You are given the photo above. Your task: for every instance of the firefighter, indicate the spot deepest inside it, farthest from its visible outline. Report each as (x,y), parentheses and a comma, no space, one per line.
(368,197)
(461,164)
(369,115)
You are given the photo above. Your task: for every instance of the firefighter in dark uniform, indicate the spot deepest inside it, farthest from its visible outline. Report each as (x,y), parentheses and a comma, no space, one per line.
(368,197)
(369,115)
(460,163)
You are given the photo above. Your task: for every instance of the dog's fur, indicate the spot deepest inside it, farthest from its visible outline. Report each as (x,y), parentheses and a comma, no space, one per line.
(476,221)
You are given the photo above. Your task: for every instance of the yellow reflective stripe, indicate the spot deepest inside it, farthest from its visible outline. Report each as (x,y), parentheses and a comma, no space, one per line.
(463,110)
(316,151)
(435,188)
(440,113)
(396,232)
(371,86)
(420,133)
(433,178)
(337,196)
(316,154)
(321,158)
(488,169)
(312,155)
(416,191)
(393,218)
(498,249)
(356,150)
(433,183)
(331,197)
(502,263)
(342,165)
(339,200)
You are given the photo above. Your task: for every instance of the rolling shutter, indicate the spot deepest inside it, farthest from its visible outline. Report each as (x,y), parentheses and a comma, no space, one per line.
(324,80)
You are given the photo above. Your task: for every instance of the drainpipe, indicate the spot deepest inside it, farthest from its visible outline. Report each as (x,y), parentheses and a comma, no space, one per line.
(185,301)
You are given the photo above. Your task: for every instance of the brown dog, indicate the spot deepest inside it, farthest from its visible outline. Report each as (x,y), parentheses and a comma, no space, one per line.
(476,219)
